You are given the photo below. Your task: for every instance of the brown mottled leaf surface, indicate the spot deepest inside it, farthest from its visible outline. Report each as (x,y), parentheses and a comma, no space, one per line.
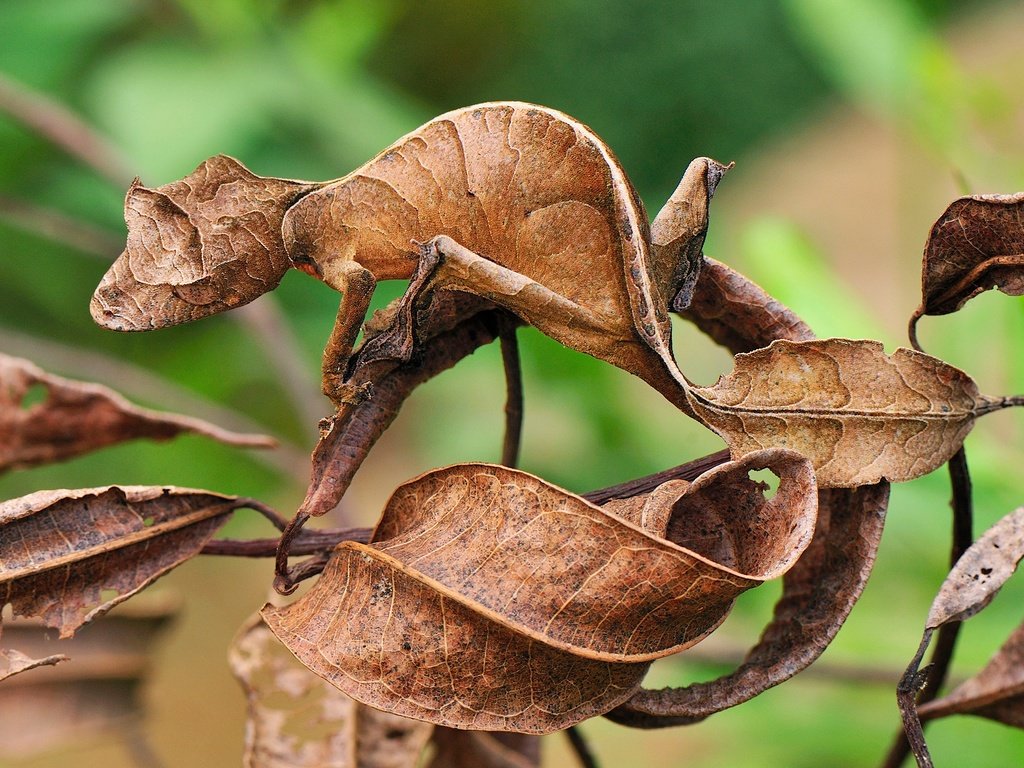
(45,418)
(59,550)
(996,692)
(980,572)
(492,600)
(858,414)
(298,720)
(976,245)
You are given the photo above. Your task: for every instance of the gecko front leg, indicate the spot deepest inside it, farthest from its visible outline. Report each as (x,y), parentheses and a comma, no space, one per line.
(356,285)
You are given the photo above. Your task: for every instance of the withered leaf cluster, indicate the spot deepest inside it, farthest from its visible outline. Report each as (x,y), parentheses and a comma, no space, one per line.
(489,604)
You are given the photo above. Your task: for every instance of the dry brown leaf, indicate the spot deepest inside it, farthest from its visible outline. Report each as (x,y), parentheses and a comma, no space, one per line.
(479,749)
(45,418)
(818,592)
(977,244)
(738,314)
(13,662)
(298,720)
(980,572)
(99,690)
(492,600)
(61,550)
(518,204)
(996,692)
(858,414)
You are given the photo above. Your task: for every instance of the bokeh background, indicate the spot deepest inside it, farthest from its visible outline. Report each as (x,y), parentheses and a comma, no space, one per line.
(853,124)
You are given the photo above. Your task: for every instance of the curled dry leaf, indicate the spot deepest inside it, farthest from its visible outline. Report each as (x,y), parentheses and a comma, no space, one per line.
(59,550)
(980,572)
(977,244)
(298,720)
(490,599)
(13,662)
(518,204)
(69,418)
(818,592)
(858,414)
(996,692)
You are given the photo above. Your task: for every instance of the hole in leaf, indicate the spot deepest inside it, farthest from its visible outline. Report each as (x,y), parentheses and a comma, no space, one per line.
(148,521)
(768,479)
(34,395)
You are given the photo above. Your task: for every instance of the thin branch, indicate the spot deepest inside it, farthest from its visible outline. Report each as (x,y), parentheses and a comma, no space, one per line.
(691,470)
(64,129)
(945,640)
(310,542)
(906,698)
(580,747)
(59,228)
(265,321)
(513,395)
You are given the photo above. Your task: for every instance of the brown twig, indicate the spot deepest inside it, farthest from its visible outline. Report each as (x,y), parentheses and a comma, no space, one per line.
(64,129)
(266,323)
(906,698)
(580,747)
(691,470)
(945,641)
(513,394)
(310,542)
(59,228)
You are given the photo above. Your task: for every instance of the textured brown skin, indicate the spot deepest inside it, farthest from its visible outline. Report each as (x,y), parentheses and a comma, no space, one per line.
(78,417)
(523,205)
(492,600)
(977,244)
(60,549)
(858,414)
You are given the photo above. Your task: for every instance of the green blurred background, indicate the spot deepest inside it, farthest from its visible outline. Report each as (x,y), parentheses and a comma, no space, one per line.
(853,124)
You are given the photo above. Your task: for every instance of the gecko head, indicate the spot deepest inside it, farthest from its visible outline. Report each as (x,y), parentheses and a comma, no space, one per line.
(196,247)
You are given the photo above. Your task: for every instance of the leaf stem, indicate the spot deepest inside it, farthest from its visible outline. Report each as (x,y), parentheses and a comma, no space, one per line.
(64,129)
(906,699)
(310,542)
(513,394)
(945,641)
(691,470)
(580,747)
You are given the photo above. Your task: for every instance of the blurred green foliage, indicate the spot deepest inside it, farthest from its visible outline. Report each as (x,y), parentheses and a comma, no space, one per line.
(312,89)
